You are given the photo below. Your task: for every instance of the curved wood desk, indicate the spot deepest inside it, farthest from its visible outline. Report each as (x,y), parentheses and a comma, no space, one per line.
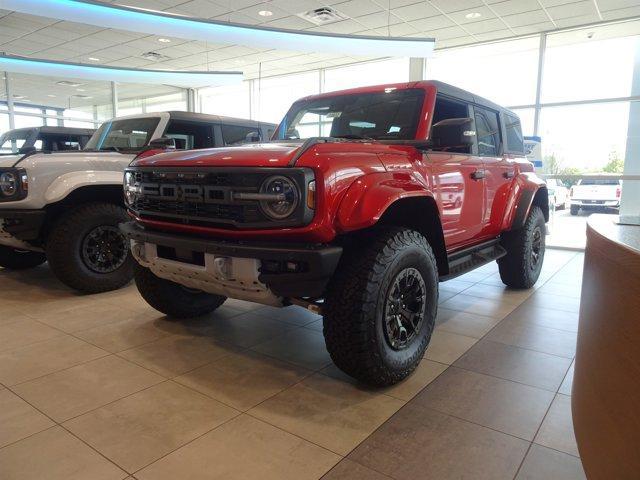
(606,386)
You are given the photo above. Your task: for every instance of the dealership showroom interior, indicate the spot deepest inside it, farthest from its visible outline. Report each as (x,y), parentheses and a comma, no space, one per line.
(305,239)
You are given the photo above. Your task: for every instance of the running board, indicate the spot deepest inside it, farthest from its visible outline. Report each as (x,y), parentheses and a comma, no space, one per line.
(471,258)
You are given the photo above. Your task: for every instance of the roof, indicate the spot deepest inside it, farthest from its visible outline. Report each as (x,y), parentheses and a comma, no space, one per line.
(63,130)
(441,87)
(207,118)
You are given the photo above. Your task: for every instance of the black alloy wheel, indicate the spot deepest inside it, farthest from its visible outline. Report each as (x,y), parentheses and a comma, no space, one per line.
(405,308)
(104,249)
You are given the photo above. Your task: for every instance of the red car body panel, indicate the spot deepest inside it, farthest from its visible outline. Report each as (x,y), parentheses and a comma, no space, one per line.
(356,181)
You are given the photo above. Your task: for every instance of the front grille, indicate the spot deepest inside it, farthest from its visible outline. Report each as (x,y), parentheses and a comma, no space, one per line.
(205,197)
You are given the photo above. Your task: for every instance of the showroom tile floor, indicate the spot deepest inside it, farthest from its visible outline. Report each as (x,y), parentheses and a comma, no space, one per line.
(104,387)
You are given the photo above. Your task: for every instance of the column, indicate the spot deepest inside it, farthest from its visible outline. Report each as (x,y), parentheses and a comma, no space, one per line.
(630,202)
(416,69)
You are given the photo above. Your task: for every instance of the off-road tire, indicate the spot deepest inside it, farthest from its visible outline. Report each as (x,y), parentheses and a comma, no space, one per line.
(518,268)
(14,259)
(574,210)
(64,248)
(354,308)
(173,299)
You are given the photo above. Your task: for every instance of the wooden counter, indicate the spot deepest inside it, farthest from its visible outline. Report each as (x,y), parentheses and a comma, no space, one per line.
(606,386)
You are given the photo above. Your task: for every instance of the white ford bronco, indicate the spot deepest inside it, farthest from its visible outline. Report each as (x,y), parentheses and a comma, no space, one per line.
(65,207)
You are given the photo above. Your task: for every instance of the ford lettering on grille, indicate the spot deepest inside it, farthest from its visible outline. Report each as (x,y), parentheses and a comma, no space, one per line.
(184,193)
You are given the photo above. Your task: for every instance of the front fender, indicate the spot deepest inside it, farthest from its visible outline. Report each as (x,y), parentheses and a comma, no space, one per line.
(63,185)
(369,197)
(523,191)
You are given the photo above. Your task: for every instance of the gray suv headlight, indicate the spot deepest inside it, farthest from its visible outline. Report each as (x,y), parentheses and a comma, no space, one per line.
(285,197)
(14,184)
(8,184)
(130,188)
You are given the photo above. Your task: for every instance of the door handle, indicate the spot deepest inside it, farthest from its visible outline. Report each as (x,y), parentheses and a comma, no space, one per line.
(509,174)
(478,174)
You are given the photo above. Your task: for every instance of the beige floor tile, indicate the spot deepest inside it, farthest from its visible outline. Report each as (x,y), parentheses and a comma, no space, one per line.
(426,373)
(518,364)
(479,306)
(557,428)
(177,354)
(545,317)
(18,419)
(242,305)
(420,443)
(55,454)
(85,317)
(292,314)
(328,412)
(543,464)
(499,293)
(12,313)
(502,405)
(464,323)
(77,390)
(567,383)
(139,429)
(301,346)
(129,333)
(446,347)
(349,470)
(535,337)
(45,357)
(242,449)
(24,332)
(245,330)
(456,285)
(554,302)
(243,380)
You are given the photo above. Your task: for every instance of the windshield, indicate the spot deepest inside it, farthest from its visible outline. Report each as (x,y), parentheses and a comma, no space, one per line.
(389,115)
(123,135)
(11,142)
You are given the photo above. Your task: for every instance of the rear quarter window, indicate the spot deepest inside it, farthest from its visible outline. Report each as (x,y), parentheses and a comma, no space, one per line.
(515,140)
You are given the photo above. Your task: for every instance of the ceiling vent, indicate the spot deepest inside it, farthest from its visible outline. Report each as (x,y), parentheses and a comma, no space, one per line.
(66,83)
(323,16)
(155,56)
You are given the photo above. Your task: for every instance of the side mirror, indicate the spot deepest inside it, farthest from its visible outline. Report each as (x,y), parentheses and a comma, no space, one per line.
(452,133)
(163,143)
(253,137)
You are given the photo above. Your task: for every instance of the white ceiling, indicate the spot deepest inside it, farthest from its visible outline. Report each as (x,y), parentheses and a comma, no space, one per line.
(445,20)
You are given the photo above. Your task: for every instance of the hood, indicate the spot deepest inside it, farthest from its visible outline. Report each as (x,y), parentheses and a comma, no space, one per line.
(9,160)
(250,155)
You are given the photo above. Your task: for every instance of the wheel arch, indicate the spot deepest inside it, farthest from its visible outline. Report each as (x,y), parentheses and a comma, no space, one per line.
(528,190)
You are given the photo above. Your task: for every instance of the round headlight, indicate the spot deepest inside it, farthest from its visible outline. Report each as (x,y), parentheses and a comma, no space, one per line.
(130,189)
(287,197)
(8,184)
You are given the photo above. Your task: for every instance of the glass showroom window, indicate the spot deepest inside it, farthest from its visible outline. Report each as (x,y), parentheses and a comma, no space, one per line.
(584,137)
(526,120)
(504,72)
(229,100)
(362,74)
(4,121)
(23,121)
(580,65)
(164,103)
(276,94)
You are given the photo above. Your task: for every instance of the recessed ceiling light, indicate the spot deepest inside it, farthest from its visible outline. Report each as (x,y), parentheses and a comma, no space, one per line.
(164,40)
(80,90)
(51,96)
(94,59)
(19,97)
(473,15)
(69,84)
(265,13)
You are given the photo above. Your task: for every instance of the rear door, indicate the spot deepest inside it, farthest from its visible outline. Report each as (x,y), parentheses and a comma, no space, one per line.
(190,135)
(458,182)
(498,169)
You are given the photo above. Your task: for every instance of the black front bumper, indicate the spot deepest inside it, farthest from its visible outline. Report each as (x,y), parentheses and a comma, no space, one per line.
(23,224)
(318,262)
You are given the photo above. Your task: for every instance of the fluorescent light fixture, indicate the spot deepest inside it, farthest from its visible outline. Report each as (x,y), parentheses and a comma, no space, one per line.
(151,22)
(265,13)
(32,66)
(94,59)
(51,96)
(164,40)
(473,15)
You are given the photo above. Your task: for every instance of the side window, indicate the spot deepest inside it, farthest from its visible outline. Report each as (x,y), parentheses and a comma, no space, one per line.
(233,134)
(446,108)
(190,135)
(487,132)
(515,141)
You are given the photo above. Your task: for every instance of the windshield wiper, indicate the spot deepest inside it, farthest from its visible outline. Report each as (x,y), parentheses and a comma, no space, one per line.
(351,136)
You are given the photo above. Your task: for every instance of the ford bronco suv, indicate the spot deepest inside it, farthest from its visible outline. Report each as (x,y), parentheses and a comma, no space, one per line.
(360,204)
(65,207)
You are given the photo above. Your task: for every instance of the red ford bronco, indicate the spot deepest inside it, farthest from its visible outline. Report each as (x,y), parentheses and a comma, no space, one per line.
(360,204)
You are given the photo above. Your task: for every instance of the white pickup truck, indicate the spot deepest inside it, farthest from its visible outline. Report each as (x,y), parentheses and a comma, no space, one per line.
(595,193)
(65,207)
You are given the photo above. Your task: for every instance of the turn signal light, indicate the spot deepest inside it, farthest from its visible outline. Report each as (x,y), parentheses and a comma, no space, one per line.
(311,195)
